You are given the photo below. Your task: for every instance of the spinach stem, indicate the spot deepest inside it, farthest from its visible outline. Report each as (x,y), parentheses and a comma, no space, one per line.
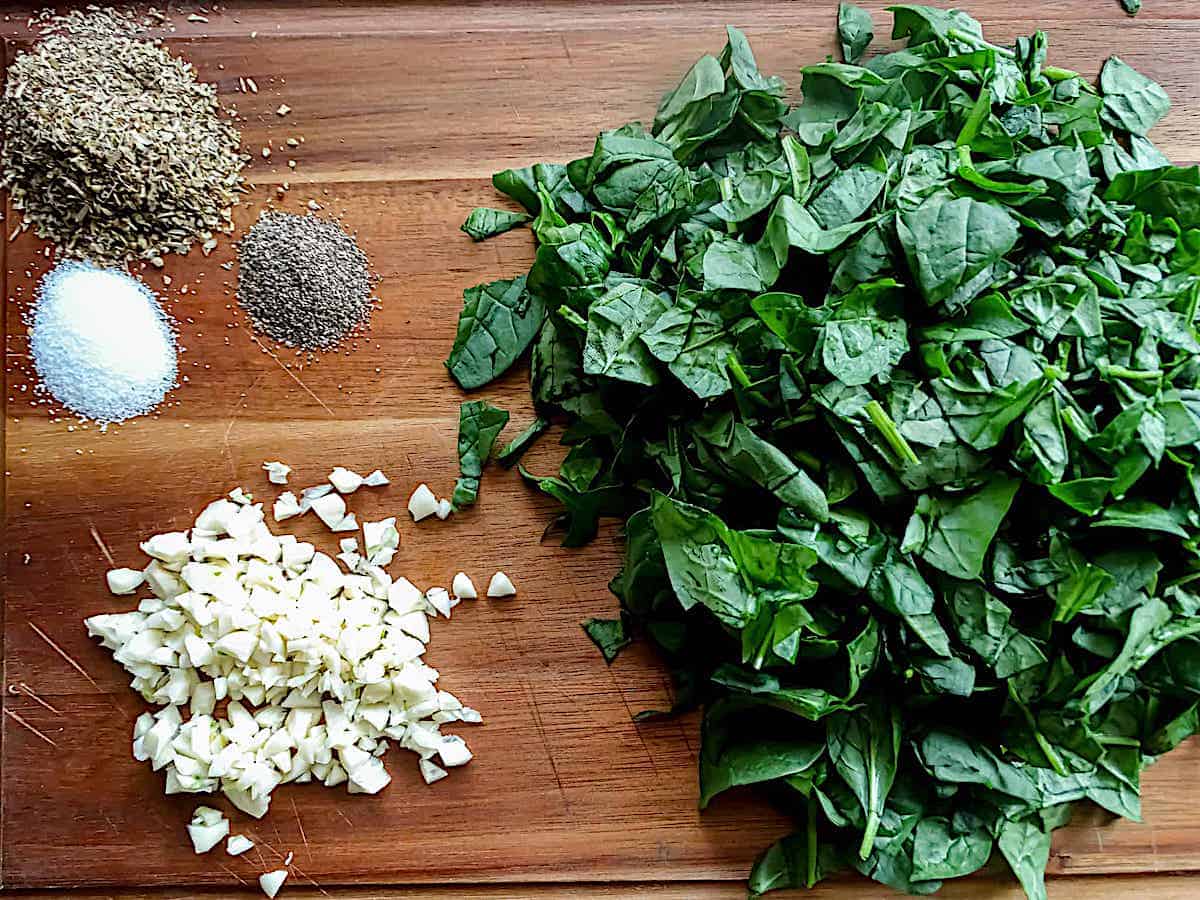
(570,316)
(1047,748)
(810,875)
(890,432)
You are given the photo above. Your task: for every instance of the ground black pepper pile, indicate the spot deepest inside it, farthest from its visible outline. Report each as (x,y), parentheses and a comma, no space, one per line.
(303,280)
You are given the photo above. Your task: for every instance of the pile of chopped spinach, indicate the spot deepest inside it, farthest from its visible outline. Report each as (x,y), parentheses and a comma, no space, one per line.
(898,393)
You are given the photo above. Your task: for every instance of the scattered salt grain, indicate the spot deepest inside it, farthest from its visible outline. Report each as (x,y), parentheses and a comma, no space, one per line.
(101,344)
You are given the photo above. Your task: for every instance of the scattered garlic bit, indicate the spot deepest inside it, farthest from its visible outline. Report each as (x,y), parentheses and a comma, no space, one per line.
(330,509)
(315,668)
(382,540)
(439,599)
(124,581)
(344,480)
(376,479)
(286,506)
(453,751)
(500,586)
(422,503)
(463,587)
(444,509)
(271,882)
(238,844)
(277,472)
(431,771)
(207,828)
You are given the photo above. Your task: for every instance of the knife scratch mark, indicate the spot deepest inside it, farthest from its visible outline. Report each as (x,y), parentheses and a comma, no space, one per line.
(22,688)
(292,375)
(300,825)
(28,727)
(541,730)
(74,665)
(100,543)
(234,875)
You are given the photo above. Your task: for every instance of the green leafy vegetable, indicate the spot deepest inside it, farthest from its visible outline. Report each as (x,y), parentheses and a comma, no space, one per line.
(897,393)
(855,31)
(485,222)
(609,636)
(515,449)
(498,321)
(479,424)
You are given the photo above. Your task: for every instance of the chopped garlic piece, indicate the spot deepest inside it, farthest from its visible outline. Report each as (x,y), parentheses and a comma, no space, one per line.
(171,547)
(463,587)
(286,506)
(238,844)
(453,751)
(500,586)
(348,523)
(344,480)
(277,472)
(206,815)
(439,599)
(271,882)
(422,503)
(381,540)
(376,479)
(124,581)
(330,509)
(444,508)
(207,828)
(368,777)
(238,495)
(431,771)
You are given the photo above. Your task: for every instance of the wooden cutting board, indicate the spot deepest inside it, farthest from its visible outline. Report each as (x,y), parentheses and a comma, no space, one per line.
(405,112)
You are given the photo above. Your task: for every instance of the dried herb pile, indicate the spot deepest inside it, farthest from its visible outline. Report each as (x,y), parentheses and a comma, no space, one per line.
(898,393)
(113,150)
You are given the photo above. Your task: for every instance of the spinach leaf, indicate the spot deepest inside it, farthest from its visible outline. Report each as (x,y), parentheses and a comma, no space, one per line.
(615,324)
(498,321)
(515,449)
(1026,849)
(479,424)
(609,635)
(864,747)
(855,31)
(953,532)
(1132,101)
(954,246)
(485,222)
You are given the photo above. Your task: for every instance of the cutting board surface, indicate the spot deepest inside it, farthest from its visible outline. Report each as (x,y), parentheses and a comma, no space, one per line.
(405,111)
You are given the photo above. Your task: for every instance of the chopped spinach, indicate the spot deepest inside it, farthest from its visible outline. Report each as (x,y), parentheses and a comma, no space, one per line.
(897,391)
(485,222)
(479,424)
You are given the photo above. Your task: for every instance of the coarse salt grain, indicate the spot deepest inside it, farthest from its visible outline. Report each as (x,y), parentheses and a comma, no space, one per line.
(101,344)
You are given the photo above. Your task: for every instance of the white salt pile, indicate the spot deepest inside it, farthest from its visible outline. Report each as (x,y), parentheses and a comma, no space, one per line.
(100,343)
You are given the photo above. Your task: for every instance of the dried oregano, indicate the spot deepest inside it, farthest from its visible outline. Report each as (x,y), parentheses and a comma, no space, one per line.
(114,150)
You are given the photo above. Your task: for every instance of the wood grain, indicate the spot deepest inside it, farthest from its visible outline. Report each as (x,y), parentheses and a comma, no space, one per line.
(405,111)
(1162,887)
